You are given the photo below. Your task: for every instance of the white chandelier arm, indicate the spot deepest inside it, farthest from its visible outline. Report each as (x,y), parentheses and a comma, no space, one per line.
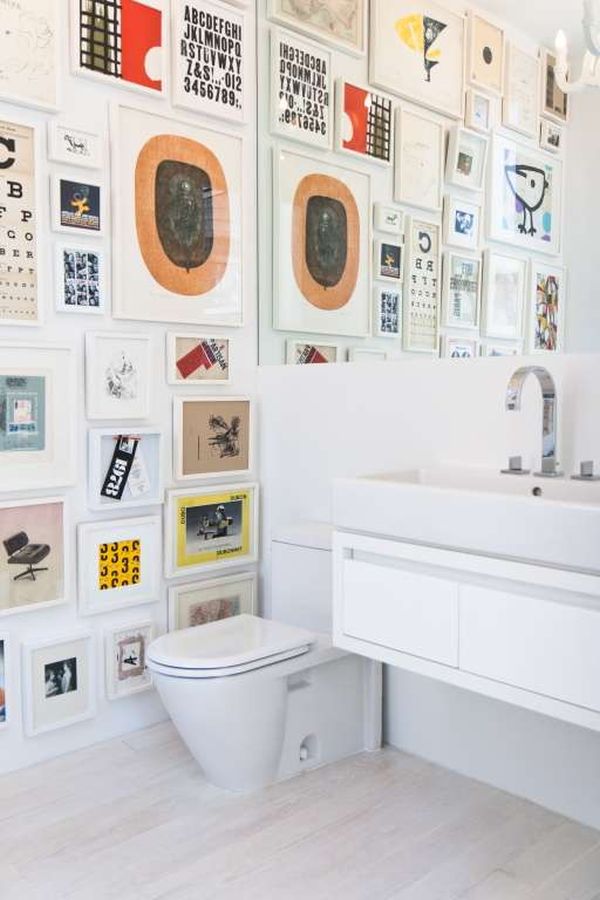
(591,26)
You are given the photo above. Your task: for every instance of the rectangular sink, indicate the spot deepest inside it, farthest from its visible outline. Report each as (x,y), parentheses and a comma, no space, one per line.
(554,522)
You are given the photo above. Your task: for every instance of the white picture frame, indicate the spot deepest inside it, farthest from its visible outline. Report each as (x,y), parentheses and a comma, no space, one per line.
(125,655)
(6,698)
(38,449)
(34,81)
(306,353)
(554,103)
(230,595)
(301,102)
(89,216)
(419,159)
(198,359)
(498,349)
(466,159)
(462,223)
(485,54)
(110,452)
(388,260)
(399,66)
(520,105)
(192,546)
(546,307)
(552,136)
(117,375)
(481,111)
(387,317)
(80,279)
(454,346)
(323,24)
(59,682)
(364,123)
(504,289)
(388,219)
(118,564)
(366,355)
(74,146)
(461,290)
(422,294)
(198,444)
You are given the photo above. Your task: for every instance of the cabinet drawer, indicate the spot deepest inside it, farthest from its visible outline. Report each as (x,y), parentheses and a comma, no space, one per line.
(402,610)
(539,645)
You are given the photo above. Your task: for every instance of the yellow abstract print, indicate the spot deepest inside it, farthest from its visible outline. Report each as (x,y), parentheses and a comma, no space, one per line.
(419,33)
(119,564)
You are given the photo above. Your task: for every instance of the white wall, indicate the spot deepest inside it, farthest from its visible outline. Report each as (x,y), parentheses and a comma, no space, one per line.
(85,103)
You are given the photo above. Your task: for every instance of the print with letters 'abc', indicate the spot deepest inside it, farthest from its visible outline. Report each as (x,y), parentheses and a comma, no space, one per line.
(119,564)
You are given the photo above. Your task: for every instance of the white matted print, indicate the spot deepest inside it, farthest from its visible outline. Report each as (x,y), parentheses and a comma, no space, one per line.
(322,251)
(505,285)
(126,653)
(5,699)
(364,355)
(388,219)
(301,90)
(177,221)
(454,347)
(342,25)
(307,353)
(462,223)
(118,564)
(486,54)
(498,349)
(59,683)
(363,122)
(546,308)
(388,312)
(417,51)
(124,468)
(212,437)
(74,146)
(525,197)
(461,290)
(201,602)
(80,276)
(198,359)
(210,46)
(520,105)
(419,160)
(29,43)
(552,136)
(422,287)
(117,375)
(480,111)
(466,160)
(78,206)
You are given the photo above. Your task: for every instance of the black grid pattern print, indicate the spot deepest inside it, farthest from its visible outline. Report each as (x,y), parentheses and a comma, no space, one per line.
(100,36)
(379,128)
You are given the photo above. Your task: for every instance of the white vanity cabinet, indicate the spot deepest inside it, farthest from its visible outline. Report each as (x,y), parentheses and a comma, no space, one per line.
(522,633)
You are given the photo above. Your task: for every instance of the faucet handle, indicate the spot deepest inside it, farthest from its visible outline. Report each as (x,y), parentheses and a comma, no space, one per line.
(515,467)
(586,472)
(549,468)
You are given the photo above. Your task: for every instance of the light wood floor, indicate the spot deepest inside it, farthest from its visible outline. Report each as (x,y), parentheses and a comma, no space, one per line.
(133,819)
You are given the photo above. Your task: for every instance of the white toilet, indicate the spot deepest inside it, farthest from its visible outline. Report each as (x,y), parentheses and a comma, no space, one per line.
(258,700)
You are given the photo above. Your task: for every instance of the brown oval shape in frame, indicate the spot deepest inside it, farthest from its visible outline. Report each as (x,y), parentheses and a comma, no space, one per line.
(325,241)
(183,232)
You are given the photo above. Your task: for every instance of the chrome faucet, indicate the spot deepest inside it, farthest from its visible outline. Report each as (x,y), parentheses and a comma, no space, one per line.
(513,404)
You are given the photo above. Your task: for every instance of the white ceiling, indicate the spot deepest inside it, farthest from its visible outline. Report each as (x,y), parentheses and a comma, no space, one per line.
(541,19)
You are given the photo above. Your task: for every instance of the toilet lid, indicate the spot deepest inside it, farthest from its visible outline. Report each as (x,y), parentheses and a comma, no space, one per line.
(232,642)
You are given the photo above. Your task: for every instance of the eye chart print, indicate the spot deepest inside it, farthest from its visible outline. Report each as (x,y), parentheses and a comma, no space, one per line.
(209,59)
(18,259)
(119,564)
(422,298)
(301,90)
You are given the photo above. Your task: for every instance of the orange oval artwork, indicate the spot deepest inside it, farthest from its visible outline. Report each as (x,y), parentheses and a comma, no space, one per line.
(182,214)
(325,241)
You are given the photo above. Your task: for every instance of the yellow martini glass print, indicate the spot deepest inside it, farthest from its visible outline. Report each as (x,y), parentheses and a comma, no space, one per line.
(419,33)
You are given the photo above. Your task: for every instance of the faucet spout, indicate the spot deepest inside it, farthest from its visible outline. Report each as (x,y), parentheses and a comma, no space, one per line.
(514,394)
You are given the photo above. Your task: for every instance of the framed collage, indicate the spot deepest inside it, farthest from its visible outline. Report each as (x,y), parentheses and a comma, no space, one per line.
(201,602)
(80,279)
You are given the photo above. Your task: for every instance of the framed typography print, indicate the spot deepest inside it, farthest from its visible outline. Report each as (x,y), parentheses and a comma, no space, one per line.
(210,45)
(126,653)
(458,347)
(37,425)
(201,602)
(485,54)
(74,146)
(117,375)
(505,285)
(342,25)
(388,312)
(461,290)
(307,353)
(301,90)
(419,160)
(212,437)
(422,287)
(80,279)
(59,682)
(118,563)
(177,221)
(78,206)
(198,359)
(19,267)
(123,41)
(466,159)
(5,699)
(546,308)
(525,197)
(555,103)
(29,46)
(520,105)
(210,529)
(124,469)
(363,122)
(462,223)
(322,249)
(32,556)
(417,52)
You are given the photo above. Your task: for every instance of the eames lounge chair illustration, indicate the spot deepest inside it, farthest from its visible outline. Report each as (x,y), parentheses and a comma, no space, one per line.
(22,553)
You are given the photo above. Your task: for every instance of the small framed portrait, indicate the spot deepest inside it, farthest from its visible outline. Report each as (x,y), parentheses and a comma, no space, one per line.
(552,136)
(486,54)
(77,206)
(74,146)
(198,359)
(388,219)
(80,279)
(118,564)
(117,375)
(365,355)
(306,353)
(388,312)
(211,528)
(125,468)
(363,122)
(5,700)
(546,308)
(212,437)
(505,286)
(59,683)
(202,602)
(461,290)
(462,223)
(388,257)
(480,111)
(126,653)
(555,103)
(466,160)
(455,347)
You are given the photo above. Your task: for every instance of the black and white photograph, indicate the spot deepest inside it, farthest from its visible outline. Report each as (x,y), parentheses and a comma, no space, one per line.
(60,677)
(58,682)
(388,312)
(80,280)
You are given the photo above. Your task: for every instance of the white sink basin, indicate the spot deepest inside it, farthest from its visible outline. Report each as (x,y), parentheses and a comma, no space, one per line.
(550,521)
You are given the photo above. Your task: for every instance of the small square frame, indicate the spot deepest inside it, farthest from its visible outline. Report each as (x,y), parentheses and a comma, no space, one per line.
(55,206)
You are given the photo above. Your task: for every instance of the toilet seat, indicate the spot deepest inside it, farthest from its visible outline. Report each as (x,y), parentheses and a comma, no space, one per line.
(227,647)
